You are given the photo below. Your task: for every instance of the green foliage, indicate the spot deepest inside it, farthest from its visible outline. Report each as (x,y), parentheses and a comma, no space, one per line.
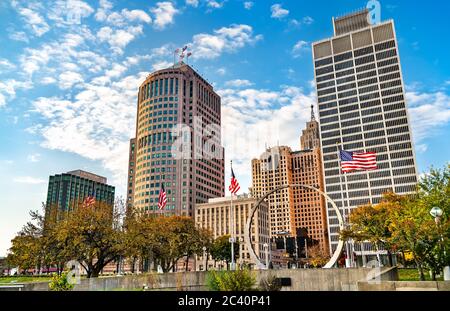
(270,284)
(60,283)
(221,249)
(236,281)
(403,223)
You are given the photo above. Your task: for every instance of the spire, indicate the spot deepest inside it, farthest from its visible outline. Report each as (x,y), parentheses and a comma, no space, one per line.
(313,118)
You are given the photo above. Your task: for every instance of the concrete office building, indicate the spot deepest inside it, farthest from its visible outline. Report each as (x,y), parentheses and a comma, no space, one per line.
(294,208)
(67,190)
(214,216)
(167,99)
(361,100)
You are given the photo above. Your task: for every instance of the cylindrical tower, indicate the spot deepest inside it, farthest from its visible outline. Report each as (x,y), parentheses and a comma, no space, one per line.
(177,105)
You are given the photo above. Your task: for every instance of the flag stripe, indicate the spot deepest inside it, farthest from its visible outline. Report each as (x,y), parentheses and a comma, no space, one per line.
(357,161)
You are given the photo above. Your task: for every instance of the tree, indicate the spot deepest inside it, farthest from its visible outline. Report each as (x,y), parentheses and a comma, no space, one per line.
(35,245)
(92,236)
(221,249)
(317,257)
(172,238)
(403,223)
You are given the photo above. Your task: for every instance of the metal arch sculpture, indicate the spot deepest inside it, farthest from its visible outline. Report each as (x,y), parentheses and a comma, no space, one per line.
(247,237)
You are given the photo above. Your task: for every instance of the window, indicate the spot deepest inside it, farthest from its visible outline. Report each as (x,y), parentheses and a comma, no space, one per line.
(386,54)
(364,51)
(325,85)
(385,45)
(325,78)
(324,70)
(345,73)
(323,62)
(342,57)
(344,65)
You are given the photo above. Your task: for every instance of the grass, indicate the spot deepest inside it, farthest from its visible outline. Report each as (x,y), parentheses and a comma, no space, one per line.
(413,275)
(23,279)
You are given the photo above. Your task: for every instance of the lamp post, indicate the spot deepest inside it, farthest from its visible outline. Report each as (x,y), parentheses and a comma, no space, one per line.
(437,213)
(266,249)
(205,259)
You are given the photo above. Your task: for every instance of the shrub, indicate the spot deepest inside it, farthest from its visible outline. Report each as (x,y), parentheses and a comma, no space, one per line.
(270,284)
(236,281)
(60,283)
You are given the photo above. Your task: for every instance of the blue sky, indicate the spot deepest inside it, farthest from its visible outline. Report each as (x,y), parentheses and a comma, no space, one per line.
(69,78)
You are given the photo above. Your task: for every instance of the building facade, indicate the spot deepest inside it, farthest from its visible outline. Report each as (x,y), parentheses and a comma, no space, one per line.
(294,208)
(67,190)
(215,216)
(131,172)
(361,101)
(177,142)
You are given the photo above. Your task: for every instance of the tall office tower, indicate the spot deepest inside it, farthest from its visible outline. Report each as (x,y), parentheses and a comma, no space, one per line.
(361,101)
(310,138)
(177,130)
(273,170)
(67,190)
(309,208)
(294,208)
(131,171)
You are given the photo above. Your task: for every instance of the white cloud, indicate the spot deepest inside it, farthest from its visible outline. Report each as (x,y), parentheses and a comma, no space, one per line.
(6,64)
(164,14)
(68,79)
(238,83)
(98,123)
(35,157)
(225,39)
(430,112)
(308,20)
(18,36)
(68,12)
(118,39)
(300,47)
(103,10)
(221,71)
(8,89)
(278,11)
(248,5)
(161,65)
(255,118)
(215,4)
(34,20)
(193,3)
(422,148)
(29,180)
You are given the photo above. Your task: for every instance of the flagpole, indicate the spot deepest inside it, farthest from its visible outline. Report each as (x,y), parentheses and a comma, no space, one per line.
(232,227)
(347,250)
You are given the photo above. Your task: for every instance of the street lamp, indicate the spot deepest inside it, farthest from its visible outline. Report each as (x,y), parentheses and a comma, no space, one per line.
(266,249)
(205,259)
(437,213)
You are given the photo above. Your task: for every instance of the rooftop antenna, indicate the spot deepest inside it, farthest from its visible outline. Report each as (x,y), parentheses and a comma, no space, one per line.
(313,118)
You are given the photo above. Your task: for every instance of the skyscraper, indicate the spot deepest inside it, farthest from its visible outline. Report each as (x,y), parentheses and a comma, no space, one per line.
(361,100)
(294,208)
(67,190)
(177,142)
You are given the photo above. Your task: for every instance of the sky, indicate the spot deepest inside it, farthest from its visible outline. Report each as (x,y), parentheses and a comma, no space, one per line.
(70,71)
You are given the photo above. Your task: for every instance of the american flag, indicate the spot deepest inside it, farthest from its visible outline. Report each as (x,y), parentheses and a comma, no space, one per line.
(162,201)
(234,186)
(358,161)
(89,200)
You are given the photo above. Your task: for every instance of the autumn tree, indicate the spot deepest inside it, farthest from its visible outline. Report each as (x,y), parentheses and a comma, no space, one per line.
(92,236)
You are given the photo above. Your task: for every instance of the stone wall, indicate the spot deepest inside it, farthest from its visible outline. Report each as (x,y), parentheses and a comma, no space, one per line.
(300,279)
